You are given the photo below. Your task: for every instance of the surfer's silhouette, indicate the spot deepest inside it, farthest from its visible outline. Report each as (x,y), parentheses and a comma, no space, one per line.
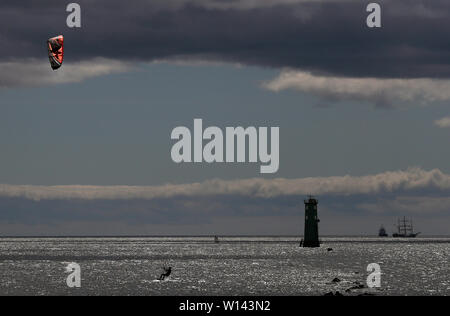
(167,272)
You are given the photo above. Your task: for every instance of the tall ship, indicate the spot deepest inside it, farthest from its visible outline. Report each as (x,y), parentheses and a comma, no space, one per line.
(405,229)
(382,232)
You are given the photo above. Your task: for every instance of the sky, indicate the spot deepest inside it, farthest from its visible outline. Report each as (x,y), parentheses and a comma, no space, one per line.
(363,116)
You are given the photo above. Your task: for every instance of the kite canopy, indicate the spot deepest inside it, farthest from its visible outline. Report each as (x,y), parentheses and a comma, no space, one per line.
(56,51)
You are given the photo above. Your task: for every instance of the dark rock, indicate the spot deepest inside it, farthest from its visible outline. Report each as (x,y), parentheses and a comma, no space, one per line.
(366,294)
(336,280)
(357,287)
(330,249)
(338,294)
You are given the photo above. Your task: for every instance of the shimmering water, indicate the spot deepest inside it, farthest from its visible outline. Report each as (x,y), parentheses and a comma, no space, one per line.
(235,266)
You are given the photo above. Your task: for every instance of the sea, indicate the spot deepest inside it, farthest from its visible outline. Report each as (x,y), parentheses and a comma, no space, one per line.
(232,266)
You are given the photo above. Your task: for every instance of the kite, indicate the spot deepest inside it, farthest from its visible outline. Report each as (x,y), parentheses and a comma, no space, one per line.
(56,51)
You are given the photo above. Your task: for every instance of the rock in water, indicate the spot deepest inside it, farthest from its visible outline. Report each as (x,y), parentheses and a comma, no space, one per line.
(366,294)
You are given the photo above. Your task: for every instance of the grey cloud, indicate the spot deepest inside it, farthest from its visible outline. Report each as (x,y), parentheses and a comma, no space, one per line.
(373,90)
(231,214)
(38,72)
(443,122)
(252,206)
(396,181)
(411,205)
(322,37)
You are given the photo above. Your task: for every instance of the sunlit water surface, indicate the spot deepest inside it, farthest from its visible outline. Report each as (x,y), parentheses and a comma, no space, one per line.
(234,266)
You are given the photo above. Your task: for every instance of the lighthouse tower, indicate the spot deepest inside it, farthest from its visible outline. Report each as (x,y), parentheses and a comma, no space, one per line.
(311,237)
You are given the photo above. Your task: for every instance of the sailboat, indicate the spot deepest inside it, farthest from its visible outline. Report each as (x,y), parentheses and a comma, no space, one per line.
(405,229)
(382,232)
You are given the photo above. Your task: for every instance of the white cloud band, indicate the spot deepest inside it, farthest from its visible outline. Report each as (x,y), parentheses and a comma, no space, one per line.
(411,179)
(32,72)
(443,122)
(373,90)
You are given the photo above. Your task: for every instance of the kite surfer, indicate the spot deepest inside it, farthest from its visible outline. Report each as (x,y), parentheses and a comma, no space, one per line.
(167,272)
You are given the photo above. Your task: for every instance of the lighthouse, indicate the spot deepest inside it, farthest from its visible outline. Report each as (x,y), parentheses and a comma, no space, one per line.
(311,237)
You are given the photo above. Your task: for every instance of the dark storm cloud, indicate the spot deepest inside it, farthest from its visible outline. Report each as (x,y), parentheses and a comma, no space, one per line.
(325,37)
